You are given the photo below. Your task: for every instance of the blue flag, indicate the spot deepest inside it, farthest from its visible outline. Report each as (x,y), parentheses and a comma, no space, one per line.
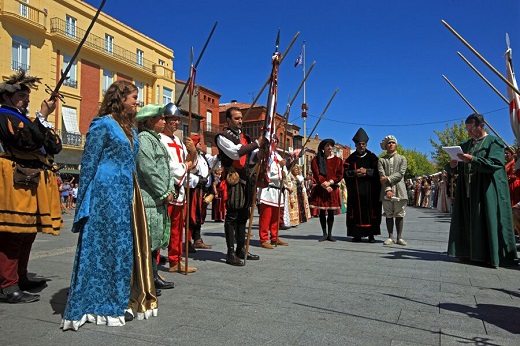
(299,60)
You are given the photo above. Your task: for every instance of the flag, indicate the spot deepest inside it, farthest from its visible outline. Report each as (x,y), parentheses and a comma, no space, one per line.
(191,82)
(514,100)
(299,60)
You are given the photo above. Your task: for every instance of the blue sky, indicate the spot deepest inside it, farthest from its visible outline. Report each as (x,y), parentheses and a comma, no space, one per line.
(386,58)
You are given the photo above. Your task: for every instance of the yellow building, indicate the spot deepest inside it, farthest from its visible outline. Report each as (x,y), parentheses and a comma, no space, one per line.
(41,37)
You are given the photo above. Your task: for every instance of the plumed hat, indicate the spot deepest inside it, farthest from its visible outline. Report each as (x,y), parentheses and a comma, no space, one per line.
(171,110)
(360,136)
(17,81)
(196,139)
(386,140)
(149,111)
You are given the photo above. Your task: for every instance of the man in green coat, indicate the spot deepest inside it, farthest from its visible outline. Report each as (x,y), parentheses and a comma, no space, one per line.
(153,173)
(481,224)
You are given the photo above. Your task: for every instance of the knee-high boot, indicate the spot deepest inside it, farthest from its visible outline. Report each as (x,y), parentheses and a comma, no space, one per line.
(241,244)
(231,257)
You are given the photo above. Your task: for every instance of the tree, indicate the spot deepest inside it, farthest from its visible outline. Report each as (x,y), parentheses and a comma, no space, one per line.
(452,135)
(417,162)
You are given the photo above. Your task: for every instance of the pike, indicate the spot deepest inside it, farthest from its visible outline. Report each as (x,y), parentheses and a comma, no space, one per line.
(267,132)
(286,120)
(315,125)
(474,109)
(188,209)
(178,103)
(56,92)
(504,79)
(483,78)
(269,79)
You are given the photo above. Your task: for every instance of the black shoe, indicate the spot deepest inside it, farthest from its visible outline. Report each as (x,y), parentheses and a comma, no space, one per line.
(283,227)
(356,240)
(330,238)
(323,238)
(163,259)
(163,285)
(31,284)
(128,316)
(19,297)
(250,256)
(191,248)
(157,292)
(371,239)
(232,259)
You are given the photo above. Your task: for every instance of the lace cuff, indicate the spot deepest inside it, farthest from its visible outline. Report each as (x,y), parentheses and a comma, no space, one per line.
(42,120)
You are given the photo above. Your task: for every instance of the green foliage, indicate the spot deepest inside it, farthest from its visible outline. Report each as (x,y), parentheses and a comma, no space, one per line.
(452,135)
(417,162)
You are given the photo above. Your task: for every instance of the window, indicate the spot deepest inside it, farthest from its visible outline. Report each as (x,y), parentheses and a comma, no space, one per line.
(24,10)
(108,79)
(140,93)
(139,57)
(70,26)
(209,149)
(109,44)
(72,81)
(167,95)
(20,54)
(157,90)
(209,119)
(161,62)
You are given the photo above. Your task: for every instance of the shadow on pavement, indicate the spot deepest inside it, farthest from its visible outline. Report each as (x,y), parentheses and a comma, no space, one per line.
(423,255)
(59,300)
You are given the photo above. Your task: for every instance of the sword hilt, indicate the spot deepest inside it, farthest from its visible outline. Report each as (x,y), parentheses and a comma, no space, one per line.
(54,94)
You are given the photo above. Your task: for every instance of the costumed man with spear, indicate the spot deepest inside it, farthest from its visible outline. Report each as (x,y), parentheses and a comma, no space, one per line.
(270,201)
(235,148)
(181,159)
(202,179)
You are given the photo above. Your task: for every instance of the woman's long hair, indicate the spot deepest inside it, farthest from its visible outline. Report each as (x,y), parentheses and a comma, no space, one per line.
(113,104)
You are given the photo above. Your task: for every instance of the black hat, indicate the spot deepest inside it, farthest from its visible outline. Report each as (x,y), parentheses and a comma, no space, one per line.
(360,136)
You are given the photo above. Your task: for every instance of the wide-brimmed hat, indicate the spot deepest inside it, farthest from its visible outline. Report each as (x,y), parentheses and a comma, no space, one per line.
(149,111)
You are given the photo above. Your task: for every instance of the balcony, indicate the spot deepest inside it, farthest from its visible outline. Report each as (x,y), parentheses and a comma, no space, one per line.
(71,139)
(213,128)
(23,12)
(97,43)
(17,66)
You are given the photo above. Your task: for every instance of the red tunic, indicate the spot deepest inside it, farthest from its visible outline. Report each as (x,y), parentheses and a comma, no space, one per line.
(514,183)
(320,197)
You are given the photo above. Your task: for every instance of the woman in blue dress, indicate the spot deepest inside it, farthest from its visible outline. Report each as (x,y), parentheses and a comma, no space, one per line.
(112,269)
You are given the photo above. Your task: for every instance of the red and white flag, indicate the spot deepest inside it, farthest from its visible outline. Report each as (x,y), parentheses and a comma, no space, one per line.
(514,99)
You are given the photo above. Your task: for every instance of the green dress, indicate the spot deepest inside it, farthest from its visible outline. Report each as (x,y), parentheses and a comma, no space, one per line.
(481,223)
(153,172)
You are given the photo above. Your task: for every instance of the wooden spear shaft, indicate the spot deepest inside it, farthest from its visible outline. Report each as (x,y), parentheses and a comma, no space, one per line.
(188,209)
(269,79)
(474,109)
(483,78)
(481,57)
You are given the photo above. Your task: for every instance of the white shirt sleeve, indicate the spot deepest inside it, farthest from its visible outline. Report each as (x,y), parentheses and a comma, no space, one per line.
(229,148)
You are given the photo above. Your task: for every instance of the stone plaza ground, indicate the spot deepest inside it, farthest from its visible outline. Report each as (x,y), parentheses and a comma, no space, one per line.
(308,293)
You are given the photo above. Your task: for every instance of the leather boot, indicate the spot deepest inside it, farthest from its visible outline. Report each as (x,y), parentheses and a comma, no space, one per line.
(161,284)
(231,257)
(323,237)
(241,244)
(329,236)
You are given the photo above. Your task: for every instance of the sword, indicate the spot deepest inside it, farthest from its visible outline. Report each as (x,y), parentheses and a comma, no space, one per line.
(55,93)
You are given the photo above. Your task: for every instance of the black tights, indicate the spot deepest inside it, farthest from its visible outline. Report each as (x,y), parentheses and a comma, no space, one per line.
(326,222)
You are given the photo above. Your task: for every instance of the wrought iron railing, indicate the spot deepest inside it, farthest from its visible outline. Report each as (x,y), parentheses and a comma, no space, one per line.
(17,66)
(72,139)
(70,83)
(59,26)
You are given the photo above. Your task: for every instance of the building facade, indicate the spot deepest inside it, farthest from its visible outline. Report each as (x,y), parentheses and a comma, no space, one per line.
(42,36)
